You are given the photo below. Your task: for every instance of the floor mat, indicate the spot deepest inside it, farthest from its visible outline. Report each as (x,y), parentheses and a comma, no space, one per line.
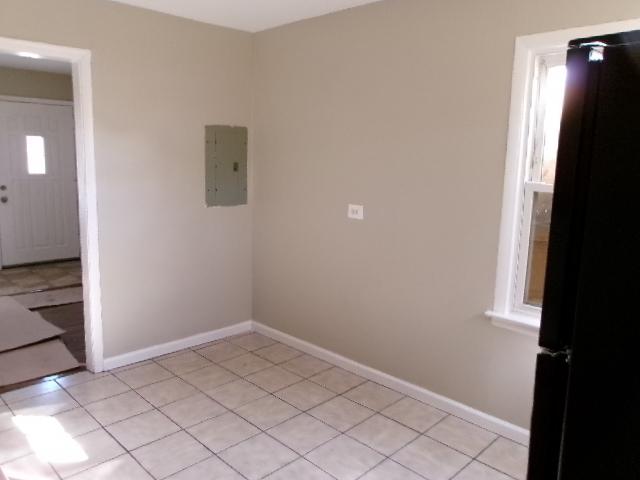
(19,326)
(35,361)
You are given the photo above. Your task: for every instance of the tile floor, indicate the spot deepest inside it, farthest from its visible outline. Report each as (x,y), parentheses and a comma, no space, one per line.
(44,276)
(243,408)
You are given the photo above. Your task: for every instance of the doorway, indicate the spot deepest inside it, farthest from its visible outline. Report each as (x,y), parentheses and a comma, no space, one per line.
(41,300)
(48,214)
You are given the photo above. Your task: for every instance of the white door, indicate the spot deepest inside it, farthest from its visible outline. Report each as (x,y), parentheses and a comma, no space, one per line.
(38,184)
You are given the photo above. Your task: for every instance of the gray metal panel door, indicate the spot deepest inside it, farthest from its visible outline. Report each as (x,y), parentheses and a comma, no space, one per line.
(226,161)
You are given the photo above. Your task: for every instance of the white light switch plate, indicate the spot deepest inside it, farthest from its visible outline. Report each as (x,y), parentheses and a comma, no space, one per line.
(355,212)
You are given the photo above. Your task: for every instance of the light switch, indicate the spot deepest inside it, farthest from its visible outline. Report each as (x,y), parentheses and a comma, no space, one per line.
(355,212)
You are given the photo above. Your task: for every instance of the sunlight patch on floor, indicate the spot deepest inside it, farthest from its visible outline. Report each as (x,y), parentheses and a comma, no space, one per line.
(49,440)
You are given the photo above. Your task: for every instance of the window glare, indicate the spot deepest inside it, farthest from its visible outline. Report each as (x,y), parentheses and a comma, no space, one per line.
(36,161)
(554,99)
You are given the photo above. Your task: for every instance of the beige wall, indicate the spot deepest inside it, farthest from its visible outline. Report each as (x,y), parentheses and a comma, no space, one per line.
(170,267)
(401,106)
(17,82)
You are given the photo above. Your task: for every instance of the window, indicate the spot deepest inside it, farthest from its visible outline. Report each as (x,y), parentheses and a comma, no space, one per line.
(544,132)
(36,159)
(528,195)
(537,96)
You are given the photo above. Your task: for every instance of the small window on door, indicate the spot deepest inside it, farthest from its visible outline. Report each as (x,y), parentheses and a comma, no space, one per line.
(36,156)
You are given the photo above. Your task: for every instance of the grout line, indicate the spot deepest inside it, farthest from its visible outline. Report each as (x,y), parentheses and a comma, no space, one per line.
(345,433)
(476,458)
(260,430)
(385,457)
(495,468)
(487,447)
(294,461)
(462,468)
(126,450)
(215,455)
(180,429)
(336,395)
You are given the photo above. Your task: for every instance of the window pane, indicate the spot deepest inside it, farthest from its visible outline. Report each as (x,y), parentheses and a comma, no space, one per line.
(538,245)
(36,162)
(554,99)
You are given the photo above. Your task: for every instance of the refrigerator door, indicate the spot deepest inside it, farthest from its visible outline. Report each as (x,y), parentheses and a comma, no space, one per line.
(562,276)
(601,433)
(569,201)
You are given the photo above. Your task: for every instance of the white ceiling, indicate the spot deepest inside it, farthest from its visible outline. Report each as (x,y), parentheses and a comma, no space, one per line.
(41,64)
(247,15)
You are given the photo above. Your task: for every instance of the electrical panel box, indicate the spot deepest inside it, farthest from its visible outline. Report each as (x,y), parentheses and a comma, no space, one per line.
(225,165)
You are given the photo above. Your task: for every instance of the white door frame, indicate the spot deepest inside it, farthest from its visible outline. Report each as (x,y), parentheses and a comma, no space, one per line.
(87,196)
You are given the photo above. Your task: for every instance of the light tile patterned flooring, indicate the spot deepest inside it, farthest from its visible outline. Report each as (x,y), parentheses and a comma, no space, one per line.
(43,276)
(247,408)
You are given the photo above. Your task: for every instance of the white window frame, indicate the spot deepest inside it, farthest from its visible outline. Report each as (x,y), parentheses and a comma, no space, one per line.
(533,160)
(509,310)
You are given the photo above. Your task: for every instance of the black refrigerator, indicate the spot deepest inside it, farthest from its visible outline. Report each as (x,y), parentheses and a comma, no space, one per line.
(586,415)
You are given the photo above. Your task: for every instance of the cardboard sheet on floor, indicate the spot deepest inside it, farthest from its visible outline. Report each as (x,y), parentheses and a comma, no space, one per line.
(19,326)
(35,361)
(50,298)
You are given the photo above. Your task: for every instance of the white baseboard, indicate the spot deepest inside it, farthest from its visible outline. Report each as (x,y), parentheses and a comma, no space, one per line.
(176,345)
(494,424)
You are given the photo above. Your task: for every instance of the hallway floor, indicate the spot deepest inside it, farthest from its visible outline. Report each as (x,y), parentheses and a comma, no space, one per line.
(38,277)
(243,408)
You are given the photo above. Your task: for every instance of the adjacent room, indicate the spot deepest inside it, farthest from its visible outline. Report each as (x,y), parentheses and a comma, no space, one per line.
(323,240)
(40,270)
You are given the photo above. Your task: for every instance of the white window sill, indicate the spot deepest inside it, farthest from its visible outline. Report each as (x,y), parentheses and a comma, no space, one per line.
(527,324)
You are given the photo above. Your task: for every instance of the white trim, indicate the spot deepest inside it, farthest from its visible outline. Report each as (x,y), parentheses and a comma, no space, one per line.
(527,48)
(87,195)
(501,427)
(41,101)
(88,210)
(175,345)
(517,322)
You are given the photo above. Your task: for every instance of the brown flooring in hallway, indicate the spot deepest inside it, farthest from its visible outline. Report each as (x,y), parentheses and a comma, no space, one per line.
(71,319)
(38,277)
